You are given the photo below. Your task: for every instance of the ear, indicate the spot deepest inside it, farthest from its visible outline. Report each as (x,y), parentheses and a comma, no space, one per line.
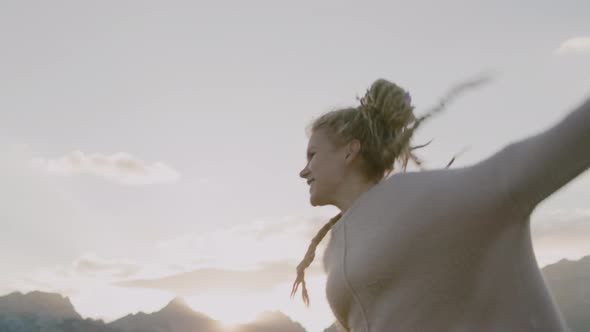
(353,149)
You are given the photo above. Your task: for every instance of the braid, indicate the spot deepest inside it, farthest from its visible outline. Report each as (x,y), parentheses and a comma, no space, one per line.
(309,256)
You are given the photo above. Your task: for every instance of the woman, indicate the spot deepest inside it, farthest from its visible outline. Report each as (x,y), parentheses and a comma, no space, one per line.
(436,250)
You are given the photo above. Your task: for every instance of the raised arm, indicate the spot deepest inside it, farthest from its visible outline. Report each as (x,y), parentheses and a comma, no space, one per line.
(533,169)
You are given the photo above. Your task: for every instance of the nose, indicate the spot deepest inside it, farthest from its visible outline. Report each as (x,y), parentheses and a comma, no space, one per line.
(304,172)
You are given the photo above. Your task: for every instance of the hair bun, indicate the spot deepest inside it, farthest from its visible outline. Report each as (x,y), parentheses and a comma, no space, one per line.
(388,106)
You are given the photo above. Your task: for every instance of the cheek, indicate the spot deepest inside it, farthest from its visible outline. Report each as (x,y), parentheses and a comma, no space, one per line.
(327,171)
(336,174)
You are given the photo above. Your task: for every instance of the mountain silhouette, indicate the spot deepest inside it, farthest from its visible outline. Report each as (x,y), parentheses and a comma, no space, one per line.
(48,312)
(41,304)
(179,317)
(44,312)
(174,317)
(271,321)
(569,282)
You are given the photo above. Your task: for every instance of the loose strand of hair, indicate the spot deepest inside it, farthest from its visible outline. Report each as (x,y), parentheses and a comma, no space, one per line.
(403,140)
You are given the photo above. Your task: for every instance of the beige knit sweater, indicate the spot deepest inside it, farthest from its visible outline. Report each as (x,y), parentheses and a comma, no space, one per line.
(450,250)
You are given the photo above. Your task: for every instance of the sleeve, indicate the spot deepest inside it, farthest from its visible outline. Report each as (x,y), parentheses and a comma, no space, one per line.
(534,168)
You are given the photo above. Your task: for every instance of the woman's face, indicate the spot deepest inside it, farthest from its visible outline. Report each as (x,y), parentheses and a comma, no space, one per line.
(325,168)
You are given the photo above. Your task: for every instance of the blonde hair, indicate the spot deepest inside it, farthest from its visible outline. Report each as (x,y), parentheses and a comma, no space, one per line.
(384,124)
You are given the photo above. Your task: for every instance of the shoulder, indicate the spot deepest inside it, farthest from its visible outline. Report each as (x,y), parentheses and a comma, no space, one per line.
(422,182)
(443,189)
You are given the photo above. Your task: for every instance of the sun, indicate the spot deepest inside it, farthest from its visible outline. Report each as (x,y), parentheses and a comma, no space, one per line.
(230,309)
(237,307)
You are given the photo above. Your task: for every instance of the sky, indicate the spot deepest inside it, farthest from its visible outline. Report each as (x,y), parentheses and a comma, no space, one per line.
(151,149)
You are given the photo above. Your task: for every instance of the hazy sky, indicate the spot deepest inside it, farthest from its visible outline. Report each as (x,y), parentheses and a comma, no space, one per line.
(149,149)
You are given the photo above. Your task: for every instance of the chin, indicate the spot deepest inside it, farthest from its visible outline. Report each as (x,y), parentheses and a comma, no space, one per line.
(317,201)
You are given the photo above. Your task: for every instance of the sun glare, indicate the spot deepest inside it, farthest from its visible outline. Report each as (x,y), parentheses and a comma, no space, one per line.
(233,309)
(229,309)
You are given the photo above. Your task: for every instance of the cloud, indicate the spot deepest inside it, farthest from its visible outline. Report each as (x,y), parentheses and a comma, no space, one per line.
(92,282)
(576,45)
(89,282)
(209,280)
(247,257)
(245,246)
(93,265)
(41,222)
(87,269)
(119,167)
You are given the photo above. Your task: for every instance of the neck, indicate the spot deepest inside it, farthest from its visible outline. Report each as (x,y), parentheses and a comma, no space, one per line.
(351,191)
